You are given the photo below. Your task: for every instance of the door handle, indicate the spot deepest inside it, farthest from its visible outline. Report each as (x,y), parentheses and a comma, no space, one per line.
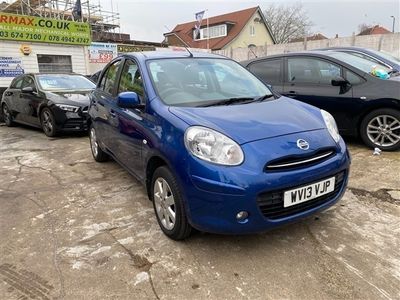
(8,93)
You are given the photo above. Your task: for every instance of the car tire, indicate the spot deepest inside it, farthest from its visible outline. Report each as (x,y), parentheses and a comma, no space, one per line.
(381,129)
(98,154)
(48,122)
(168,205)
(7,116)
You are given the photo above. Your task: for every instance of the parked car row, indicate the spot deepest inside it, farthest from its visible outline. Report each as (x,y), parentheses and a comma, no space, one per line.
(217,149)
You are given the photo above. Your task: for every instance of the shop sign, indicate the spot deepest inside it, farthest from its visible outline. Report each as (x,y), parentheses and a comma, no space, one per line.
(36,29)
(10,66)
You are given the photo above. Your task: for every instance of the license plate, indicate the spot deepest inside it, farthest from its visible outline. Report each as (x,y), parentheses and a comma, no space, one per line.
(308,192)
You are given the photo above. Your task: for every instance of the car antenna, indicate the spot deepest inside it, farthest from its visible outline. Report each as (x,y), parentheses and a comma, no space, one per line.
(182,41)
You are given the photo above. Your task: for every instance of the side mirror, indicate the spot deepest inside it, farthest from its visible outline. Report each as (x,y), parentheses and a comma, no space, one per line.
(339,81)
(128,100)
(28,90)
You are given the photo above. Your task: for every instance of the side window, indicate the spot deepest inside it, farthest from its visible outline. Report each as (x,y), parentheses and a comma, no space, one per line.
(17,83)
(353,78)
(131,79)
(268,70)
(109,79)
(311,70)
(28,82)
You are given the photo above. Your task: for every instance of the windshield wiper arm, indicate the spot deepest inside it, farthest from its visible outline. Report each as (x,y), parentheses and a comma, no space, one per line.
(228,101)
(242,100)
(265,97)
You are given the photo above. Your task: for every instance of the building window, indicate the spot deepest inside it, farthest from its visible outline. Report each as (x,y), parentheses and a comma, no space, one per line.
(252,30)
(215,31)
(54,63)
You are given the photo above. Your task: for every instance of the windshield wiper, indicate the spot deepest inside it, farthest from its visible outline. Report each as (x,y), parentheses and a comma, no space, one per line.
(265,97)
(243,100)
(228,101)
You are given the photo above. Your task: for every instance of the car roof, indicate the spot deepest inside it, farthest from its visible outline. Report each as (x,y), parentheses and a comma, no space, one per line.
(147,55)
(361,49)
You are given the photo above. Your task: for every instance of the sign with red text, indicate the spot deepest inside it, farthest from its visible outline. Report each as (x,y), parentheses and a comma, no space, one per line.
(100,53)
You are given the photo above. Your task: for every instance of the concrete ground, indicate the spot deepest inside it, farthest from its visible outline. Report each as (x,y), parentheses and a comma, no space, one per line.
(71,228)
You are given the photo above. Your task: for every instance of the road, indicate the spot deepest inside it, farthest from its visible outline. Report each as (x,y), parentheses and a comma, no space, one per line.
(71,228)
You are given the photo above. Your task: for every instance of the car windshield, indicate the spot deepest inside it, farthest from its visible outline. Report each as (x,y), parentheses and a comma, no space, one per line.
(64,82)
(360,63)
(388,56)
(203,81)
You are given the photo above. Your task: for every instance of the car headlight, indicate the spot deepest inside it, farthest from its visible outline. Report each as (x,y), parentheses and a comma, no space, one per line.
(331,125)
(212,146)
(67,107)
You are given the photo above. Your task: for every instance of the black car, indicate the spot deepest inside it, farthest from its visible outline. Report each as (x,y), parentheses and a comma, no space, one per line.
(342,84)
(54,102)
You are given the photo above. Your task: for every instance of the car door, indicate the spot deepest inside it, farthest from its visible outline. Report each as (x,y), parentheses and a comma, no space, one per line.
(269,71)
(30,101)
(102,100)
(309,79)
(129,129)
(11,96)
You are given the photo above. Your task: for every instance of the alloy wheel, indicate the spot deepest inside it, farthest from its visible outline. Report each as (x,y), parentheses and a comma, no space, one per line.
(47,121)
(6,114)
(164,203)
(384,130)
(93,142)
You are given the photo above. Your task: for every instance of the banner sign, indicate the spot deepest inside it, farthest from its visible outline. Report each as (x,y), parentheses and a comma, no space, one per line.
(134,48)
(37,29)
(100,53)
(10,66)
(199,18)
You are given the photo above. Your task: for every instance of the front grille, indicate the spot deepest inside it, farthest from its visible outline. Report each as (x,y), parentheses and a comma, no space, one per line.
(292,162)
(271,203)
(77,124)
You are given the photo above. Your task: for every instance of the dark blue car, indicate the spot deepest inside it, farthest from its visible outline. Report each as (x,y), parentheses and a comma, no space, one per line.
(215,148)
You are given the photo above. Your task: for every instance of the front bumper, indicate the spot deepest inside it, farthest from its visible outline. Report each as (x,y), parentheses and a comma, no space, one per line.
(215,194)
(71,121)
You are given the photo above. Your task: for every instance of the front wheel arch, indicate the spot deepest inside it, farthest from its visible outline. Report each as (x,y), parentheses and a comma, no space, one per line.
(153,164)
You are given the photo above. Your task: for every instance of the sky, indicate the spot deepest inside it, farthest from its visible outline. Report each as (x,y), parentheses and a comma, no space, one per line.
(148,20)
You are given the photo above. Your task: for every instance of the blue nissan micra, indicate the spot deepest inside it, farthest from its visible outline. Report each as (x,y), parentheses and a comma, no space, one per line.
(216,149)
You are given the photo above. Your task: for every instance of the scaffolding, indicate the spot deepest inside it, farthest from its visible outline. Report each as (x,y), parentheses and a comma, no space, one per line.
(101,21)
